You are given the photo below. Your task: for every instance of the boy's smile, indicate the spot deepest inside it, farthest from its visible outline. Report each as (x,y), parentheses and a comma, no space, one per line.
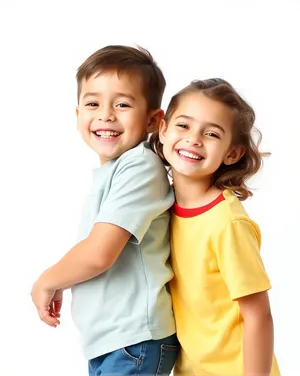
(108,134)
(112,113)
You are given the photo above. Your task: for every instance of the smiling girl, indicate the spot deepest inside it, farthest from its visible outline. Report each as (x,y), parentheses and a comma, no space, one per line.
(220,299)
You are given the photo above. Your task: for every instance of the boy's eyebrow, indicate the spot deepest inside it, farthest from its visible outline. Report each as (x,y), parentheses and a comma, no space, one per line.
(126,95)
(89,94)
(205,123)
(94,94)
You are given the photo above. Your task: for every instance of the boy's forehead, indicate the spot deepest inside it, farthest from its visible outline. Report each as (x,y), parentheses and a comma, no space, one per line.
(112,79)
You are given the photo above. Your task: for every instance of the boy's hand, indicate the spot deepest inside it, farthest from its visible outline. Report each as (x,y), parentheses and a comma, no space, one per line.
(56,303)
(48,303)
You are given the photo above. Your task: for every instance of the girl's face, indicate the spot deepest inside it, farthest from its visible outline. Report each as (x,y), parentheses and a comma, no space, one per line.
(198,137)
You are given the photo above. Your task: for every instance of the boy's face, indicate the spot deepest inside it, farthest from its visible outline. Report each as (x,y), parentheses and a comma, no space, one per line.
(112,114)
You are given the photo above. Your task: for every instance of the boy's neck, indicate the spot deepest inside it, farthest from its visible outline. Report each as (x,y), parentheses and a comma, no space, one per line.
(192,193)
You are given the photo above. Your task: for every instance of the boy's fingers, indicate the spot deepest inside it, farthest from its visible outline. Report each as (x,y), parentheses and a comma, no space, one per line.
(54,312)
(46,317)
(57,306)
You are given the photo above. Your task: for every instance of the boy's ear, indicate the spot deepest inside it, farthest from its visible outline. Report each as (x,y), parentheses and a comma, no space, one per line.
(77,112)
(234,155)
(154,120)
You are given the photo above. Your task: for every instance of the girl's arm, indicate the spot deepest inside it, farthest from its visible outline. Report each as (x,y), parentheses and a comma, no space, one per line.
(258,334)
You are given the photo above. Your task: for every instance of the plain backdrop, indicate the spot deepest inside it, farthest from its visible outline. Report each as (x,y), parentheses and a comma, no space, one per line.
(45,167)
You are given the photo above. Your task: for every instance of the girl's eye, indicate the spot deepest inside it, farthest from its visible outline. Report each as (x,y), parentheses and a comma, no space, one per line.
(182,125)
(92,104)
(123,105)
(211,134)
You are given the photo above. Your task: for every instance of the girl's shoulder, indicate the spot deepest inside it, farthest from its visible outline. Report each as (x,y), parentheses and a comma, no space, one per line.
(235,212)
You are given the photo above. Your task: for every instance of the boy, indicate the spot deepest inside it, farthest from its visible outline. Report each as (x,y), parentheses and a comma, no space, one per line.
(119,269)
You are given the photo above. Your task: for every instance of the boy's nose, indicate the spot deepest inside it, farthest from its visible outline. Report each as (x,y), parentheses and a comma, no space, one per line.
(106,114)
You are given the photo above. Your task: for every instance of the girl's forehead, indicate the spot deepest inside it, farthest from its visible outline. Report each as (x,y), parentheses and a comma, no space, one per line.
(200,107)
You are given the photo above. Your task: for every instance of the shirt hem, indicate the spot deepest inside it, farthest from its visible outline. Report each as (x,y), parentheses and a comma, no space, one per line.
(249,291)
(99,349)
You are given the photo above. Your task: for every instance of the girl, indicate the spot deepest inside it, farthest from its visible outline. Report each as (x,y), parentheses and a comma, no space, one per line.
(219,291)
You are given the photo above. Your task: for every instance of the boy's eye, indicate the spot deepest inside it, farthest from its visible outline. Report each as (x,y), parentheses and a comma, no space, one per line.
(92,104)
(123,105)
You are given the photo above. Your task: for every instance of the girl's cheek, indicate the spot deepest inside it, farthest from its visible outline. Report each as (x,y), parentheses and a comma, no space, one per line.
(172,137)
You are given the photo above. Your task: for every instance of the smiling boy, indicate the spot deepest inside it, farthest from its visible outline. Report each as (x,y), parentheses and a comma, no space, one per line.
(119,269)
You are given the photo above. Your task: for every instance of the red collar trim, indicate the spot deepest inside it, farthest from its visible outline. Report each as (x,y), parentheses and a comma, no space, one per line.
(187,213)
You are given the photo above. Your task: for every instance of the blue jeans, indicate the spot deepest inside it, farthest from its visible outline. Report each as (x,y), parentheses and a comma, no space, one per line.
(149,358)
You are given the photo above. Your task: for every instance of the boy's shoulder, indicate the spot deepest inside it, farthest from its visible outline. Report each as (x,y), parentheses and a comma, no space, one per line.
(141,150)
(141,155)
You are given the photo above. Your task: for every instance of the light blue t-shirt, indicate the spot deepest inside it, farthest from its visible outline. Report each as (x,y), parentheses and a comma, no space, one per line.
(128,303)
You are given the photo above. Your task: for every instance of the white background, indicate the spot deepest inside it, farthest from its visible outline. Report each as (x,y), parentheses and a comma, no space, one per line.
(45,167)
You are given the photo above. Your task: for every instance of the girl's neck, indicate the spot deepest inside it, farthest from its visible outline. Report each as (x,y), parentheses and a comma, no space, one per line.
(192,193)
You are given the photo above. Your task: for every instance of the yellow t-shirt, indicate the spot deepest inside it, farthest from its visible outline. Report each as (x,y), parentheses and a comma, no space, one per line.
(216,259)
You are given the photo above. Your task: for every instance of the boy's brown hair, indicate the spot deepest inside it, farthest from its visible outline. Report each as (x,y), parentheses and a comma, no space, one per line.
(125,59)
(233,176)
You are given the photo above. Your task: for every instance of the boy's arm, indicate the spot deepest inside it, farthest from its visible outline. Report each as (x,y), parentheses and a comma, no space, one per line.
(87,259)
(258,334)
(140,192)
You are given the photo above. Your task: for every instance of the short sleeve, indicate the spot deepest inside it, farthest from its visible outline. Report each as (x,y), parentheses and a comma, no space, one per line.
(239,259)
(139,193)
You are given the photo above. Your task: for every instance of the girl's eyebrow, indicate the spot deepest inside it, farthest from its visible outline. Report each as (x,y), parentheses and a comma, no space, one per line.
(209,124)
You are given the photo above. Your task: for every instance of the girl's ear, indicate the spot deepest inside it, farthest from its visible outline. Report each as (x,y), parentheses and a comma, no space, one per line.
(162,131)
(154,120)
(234,155)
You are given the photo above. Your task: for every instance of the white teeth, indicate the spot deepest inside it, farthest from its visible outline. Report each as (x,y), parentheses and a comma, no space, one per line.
(107,134)
(189,155)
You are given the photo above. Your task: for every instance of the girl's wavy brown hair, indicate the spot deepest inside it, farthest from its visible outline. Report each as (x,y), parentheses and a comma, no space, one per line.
(233,176)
